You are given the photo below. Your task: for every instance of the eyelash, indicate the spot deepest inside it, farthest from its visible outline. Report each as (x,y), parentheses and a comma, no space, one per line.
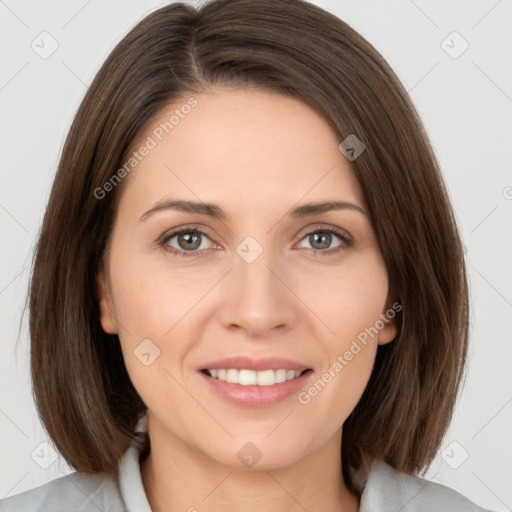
(346,242)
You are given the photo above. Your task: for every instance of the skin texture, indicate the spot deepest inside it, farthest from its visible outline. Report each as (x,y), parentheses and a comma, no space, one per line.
(256,155)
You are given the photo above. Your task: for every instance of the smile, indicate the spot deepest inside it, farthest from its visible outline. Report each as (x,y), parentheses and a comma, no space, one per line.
(255,389)
(254,378)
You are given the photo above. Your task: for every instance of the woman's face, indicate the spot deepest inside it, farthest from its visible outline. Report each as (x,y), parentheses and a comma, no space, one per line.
(248,283)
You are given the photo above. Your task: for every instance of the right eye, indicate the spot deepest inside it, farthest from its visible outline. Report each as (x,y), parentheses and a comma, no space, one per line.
(189,242)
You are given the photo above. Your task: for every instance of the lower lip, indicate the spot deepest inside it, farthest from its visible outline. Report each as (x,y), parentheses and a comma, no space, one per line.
(257,396)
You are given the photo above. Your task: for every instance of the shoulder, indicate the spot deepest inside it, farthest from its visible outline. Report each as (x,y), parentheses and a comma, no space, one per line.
(76,491)
(387,490)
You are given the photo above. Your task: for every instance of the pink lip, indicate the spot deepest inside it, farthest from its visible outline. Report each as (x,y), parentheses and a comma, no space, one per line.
(248,363)
(256,396)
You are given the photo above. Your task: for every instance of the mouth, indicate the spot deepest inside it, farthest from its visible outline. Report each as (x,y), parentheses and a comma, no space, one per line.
(246,377)
(255,389)
(249,381)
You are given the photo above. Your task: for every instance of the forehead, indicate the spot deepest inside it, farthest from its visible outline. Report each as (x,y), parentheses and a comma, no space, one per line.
(240,147)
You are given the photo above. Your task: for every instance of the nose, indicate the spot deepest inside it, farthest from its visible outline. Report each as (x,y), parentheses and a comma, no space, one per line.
(258,299)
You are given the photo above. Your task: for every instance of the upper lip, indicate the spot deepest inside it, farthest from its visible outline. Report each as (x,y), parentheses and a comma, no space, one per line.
(249,363)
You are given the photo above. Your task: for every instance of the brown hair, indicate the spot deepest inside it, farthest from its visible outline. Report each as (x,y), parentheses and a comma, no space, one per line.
(83,393)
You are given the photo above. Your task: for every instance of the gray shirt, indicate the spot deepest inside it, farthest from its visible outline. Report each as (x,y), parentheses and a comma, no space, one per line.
(385,490)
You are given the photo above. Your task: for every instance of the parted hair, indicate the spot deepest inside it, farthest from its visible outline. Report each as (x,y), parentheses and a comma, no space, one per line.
(82,390)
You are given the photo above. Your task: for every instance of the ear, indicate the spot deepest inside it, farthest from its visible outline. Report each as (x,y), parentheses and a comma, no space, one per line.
(107,312)
(389,318)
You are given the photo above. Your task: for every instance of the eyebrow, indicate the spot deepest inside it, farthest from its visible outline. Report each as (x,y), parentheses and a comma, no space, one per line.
(214,211)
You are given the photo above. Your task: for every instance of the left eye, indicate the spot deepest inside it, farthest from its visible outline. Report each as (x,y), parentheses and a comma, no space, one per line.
(321,240)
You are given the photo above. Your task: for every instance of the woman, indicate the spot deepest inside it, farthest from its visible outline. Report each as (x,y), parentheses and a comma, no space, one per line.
(249,289)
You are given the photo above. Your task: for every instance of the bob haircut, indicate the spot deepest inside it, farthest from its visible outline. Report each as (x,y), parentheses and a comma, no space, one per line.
(82,390)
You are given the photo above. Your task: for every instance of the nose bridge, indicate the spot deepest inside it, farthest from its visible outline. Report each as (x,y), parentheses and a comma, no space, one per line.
(258,299)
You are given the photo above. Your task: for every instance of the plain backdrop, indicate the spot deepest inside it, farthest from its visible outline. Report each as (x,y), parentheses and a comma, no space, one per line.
(454,58)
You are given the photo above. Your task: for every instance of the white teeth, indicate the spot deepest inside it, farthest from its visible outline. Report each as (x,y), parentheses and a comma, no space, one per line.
(252,378)
(266,377)
(245,377)
(280,376)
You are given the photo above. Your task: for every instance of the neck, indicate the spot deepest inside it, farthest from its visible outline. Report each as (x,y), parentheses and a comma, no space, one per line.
(176,477)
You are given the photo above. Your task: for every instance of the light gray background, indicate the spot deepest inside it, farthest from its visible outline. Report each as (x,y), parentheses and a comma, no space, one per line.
(465,103)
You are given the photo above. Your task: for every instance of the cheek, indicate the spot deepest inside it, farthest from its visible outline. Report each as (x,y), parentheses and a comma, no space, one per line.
(347,300)
(149,300)
(349,304)
(159,309)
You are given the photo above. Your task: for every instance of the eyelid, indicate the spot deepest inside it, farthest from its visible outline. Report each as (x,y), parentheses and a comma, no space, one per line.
(185,227)
(327,227)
